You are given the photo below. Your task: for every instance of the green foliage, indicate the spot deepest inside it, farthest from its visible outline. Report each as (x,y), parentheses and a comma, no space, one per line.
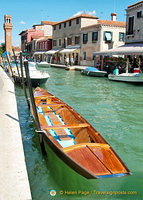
(2,48)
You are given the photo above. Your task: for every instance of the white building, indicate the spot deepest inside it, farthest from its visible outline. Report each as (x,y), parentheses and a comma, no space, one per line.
(102,36)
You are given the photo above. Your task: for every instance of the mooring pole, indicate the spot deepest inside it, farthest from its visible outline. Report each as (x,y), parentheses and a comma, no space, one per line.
(23,82)
(17,66)
(9,66)
(40,132)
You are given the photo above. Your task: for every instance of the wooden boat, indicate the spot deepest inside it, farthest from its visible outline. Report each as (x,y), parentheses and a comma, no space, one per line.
(74,140)
(93,71)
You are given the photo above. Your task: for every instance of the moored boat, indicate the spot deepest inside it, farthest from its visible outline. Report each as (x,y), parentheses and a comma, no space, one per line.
(93,71)
(136,78)
(37,77)
(74,140)
(43,64)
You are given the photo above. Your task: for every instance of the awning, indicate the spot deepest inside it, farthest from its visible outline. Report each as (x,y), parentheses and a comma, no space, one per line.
(68,50)
(108,36)
(127,49)
(39,52)
(52,51)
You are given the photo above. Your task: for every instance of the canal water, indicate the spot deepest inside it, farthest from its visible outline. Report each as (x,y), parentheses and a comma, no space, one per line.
(115,110)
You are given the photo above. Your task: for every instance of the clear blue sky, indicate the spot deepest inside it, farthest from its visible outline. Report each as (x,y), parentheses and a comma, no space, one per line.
(25,13)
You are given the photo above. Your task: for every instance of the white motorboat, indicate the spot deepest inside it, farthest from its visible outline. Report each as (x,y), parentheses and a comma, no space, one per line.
(127,77)
(93,71)
(37,77)
(43,64)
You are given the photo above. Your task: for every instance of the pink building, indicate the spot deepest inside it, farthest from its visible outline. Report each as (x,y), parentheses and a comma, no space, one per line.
(27,35)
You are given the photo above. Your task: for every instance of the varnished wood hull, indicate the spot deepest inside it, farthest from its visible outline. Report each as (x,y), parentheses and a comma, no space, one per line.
(75,141)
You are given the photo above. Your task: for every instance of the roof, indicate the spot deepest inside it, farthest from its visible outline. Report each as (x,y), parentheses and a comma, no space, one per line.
(22,32)
(44,38)
(48,22)
(127,49)
(84,15)
(107,23)
(135,4)
(112,23)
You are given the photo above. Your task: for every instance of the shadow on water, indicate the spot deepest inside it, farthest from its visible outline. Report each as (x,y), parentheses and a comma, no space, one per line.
(115,109)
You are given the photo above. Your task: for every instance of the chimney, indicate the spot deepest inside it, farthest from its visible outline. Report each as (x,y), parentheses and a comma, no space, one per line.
(113,16)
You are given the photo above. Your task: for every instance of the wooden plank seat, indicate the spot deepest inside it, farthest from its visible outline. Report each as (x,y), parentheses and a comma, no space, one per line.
(82,125)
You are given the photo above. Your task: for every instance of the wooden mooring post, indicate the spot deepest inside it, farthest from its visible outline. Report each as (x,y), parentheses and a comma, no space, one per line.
(23,82)
(40,132)
(20,79)
(9,66)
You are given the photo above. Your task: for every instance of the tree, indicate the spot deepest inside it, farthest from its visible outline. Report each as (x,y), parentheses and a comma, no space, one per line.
(2,48)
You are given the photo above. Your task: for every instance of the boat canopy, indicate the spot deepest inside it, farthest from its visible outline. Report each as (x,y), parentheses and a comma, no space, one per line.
(127,49)
(92,69)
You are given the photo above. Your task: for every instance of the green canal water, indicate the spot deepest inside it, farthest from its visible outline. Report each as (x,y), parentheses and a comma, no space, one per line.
(115,110)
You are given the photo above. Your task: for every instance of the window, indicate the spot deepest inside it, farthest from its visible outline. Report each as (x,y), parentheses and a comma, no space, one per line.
(70,23)
(54,28)
(107,36)
(69,41)
(121,37)
(94,36)
(131,25)
(65,24)
(77,39)
(59,42)
(139,14)
(59,26)
(93,56)
(77,20)
(85,38)
(54,42)
(84,55)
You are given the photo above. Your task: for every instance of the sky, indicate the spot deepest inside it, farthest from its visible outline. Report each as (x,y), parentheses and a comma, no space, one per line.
(26,13)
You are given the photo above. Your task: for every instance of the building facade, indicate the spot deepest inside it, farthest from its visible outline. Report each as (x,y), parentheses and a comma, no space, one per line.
(104,35)
(67,38)
(43,45)
(30,36)
(8,33)
(134,20)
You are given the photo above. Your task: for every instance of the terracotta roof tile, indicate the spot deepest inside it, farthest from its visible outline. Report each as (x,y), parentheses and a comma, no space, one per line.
(108,23)
(84,15)
(48,22)
(135,4)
